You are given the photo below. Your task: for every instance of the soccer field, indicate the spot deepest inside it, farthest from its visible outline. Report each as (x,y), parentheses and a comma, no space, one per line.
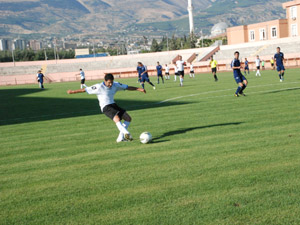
(215,158)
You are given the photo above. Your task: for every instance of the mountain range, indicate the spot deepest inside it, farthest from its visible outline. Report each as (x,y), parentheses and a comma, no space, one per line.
(111,17)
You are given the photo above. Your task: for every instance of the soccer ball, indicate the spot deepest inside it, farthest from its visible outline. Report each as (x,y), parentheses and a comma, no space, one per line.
(145,137)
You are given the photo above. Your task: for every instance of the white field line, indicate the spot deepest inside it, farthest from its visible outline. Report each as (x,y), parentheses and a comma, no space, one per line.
(171,99)
(211,92)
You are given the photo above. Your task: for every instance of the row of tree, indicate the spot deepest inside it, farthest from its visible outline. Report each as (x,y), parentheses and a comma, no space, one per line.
(177,43)
(174,43)
(30,55)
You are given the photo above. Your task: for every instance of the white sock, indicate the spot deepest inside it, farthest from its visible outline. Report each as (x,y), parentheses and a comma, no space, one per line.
(168,77)
(193,75)
(81,86)
(84,85)
(181,80)
(175,78)
(121,128)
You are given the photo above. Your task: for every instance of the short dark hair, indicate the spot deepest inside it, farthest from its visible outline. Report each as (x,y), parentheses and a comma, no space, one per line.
(109,76)
(278,48)
(80,69)
(236,52)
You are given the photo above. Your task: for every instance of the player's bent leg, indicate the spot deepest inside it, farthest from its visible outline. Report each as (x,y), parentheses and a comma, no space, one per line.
(126,117)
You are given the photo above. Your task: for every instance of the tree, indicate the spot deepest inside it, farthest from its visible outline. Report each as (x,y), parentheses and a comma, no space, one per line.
(155,46)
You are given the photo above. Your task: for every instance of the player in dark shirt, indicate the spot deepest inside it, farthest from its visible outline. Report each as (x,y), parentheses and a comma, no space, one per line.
(159,73)
(279,57)
(238,76)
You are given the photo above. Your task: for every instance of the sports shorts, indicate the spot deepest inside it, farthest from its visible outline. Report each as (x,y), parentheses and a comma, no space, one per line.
(280,68)
(181,73)
(239,78)
(145,78)
(113,110)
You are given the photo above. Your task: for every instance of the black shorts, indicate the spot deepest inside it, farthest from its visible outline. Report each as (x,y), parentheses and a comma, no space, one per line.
(177,74)
(159,75)
(258,67)
(167,73)
(214,70)
(82,81)
(272,64)
(192,71)
(181,73)
(113,110)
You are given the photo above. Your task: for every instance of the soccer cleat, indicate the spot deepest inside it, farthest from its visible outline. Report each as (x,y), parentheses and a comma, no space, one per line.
(236,95)
(242,94)
(128,137)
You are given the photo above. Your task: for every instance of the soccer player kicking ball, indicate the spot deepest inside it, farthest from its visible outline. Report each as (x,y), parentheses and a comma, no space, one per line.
(105,93)
(238,76)
(279,57)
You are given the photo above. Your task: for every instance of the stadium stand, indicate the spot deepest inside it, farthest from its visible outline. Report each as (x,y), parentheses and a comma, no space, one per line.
(125,65)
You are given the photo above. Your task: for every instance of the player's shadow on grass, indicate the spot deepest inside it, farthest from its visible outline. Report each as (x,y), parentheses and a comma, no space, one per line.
(16,107)
(185,130)
(278,91)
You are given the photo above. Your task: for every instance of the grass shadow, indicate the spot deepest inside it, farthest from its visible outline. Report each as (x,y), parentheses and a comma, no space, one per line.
(17,108)
(185,130)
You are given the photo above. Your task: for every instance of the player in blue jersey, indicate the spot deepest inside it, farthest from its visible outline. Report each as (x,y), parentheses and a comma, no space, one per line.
(144,76)
(159,73)
(139,70)
(279,57)
(240,79)
(40,79)
(246,67)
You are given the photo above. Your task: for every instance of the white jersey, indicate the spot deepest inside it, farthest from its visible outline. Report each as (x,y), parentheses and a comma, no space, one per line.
(176,69)
(82,75)
(180,65)
(167,69)
(192,68)
(105,94)
(257,62)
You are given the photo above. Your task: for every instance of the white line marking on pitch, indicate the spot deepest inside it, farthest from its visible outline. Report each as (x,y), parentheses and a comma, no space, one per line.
(168,100)
(211,92)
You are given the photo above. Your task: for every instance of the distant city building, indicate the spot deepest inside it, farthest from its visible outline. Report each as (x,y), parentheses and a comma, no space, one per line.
(69,46)
(218,29)
(19,44)
(133,52)
(6,45)
(35,45)
(269,30)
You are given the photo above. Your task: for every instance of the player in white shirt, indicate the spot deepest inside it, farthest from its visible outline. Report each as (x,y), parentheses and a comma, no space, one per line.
(180,65)
(192,73)
(176,72)
(167,72)
(82,78)
(257,63)
(105,92)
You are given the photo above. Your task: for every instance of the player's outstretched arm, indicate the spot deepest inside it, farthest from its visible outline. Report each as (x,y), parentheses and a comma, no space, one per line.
(136,89)
(76,91)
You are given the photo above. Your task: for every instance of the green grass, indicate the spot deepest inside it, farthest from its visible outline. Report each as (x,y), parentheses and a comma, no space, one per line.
(215,159)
